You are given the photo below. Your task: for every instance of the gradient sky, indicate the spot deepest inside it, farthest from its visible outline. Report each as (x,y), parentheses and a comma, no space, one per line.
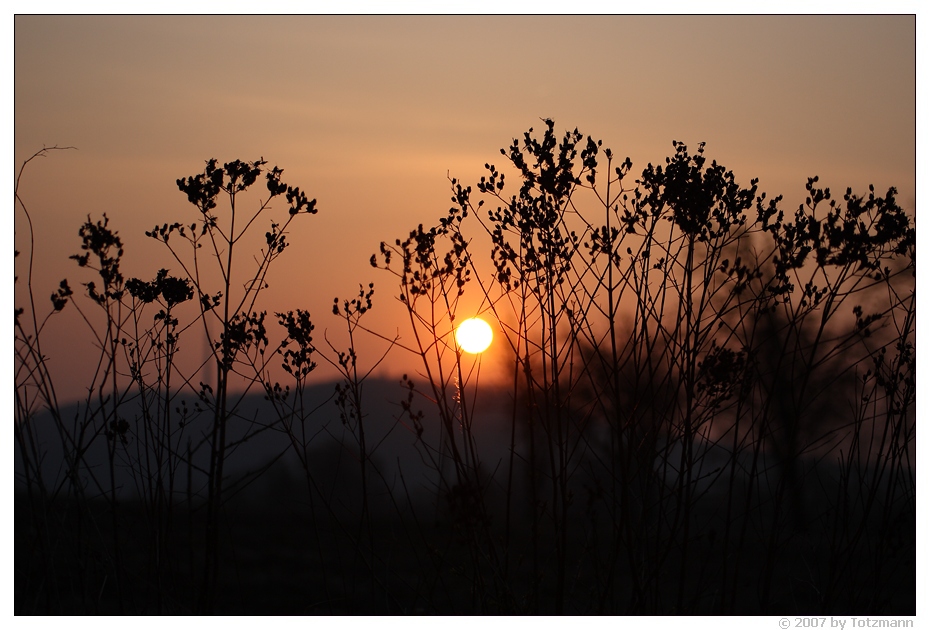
(369,114)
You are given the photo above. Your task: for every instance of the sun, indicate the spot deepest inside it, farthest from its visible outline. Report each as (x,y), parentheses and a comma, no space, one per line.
(474,335)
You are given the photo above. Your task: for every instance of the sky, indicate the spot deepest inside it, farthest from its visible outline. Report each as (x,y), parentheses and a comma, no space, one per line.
(372,114)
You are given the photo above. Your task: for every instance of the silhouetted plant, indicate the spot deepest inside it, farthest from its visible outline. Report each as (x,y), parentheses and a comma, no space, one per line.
(720,300)
(242,338)
(138,365)
(710,397)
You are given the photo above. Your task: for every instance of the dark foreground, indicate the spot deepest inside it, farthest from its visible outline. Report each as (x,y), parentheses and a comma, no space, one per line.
(277,558)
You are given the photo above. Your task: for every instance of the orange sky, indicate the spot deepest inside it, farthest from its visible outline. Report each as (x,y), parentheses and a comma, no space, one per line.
(368,114)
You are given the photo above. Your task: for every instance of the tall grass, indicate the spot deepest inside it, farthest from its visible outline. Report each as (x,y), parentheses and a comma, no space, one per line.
(710,405)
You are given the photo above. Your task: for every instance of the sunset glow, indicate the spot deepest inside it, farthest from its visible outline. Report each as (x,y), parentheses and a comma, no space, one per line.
(474,335)
(260,262)
(339,83)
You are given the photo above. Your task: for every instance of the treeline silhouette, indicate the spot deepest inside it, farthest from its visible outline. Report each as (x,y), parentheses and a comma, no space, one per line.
(709,408)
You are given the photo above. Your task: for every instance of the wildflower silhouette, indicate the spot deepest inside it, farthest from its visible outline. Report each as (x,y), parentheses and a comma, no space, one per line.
(702,387)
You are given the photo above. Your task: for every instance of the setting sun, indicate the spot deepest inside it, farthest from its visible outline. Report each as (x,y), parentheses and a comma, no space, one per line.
(474,335)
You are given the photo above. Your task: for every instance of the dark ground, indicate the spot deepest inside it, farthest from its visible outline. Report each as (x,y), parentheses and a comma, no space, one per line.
(276,561)
(420,553)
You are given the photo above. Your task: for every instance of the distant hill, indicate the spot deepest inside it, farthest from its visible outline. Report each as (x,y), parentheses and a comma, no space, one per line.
(257,440)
